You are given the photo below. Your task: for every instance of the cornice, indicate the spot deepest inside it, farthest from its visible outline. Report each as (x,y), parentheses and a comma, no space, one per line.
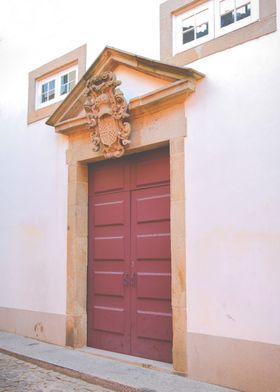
(173,94)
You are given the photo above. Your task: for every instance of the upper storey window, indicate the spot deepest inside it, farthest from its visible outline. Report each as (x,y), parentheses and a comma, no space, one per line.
(54,88)
(52,82)
(211,19)
(234,14)
(194,27)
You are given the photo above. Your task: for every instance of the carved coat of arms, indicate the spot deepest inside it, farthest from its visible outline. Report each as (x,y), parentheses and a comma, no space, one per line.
(106,111)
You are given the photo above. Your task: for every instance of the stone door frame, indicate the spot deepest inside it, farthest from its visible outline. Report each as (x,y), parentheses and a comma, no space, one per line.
(157,119)
(77,258)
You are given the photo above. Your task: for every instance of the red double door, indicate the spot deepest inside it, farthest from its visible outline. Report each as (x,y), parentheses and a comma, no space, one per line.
(129,272)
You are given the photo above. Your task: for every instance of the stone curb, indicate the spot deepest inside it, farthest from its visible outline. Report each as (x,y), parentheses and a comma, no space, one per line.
(113,385)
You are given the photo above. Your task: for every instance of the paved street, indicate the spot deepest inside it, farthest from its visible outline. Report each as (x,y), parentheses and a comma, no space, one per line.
(20,376)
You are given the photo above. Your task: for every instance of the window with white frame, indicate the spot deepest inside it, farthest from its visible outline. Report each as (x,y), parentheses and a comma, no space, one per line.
(55,87)
(234,14)
(47,91)
(194,27)
(211,19)
(67,82)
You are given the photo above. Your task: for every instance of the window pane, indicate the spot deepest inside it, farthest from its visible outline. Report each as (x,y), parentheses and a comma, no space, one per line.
(51,94)
(64,79)
(44,97)
(188,29)
(227,19)
(63,89)
(52,85)
(202,30)
(44,87)
(188,36)
(227,12)
(243,12)
(72,76)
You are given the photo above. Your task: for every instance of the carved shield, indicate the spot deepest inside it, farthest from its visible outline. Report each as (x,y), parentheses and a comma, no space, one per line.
(107,111)
(108,130)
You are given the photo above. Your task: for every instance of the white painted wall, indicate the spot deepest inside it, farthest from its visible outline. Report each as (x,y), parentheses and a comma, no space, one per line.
(233,166)
(135,83)
(33,218)
(33,173)
(233,193)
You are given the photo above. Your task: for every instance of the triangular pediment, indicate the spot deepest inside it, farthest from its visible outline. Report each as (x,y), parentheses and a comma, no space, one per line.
(139,77)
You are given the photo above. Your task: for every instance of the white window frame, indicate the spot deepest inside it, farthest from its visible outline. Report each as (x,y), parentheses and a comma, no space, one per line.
(39,85)
(178,45)
(238,24)
(68,82)
(57,97)
(214,24)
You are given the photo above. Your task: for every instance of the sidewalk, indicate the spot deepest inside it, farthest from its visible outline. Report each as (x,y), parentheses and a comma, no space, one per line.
(119,373)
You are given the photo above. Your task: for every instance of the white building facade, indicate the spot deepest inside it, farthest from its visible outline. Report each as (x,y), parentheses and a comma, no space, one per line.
(221,126)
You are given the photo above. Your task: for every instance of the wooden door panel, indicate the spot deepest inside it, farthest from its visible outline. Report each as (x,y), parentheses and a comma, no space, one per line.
(153,246)
(160,350)
(153,208)
(150,255)
(153,285)
(109,248)
(154,325)
(108,297)
(108,283)
(150,169)
(110,213)
(104,340)
(107,319)
(109,176)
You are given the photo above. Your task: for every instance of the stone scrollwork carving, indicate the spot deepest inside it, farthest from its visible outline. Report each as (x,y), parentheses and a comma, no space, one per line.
(106,111)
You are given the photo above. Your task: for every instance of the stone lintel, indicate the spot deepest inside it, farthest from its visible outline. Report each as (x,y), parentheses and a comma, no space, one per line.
(154,101)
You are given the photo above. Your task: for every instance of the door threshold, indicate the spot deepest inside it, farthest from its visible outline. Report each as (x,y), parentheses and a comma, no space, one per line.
(129,359)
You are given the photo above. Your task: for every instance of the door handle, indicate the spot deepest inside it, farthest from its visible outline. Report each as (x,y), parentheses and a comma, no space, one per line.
(125,279)
(133,279)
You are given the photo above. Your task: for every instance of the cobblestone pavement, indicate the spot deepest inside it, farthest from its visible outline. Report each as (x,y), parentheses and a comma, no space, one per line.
(20,376)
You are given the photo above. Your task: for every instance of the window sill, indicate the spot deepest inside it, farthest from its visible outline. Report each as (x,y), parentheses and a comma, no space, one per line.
(41,113)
